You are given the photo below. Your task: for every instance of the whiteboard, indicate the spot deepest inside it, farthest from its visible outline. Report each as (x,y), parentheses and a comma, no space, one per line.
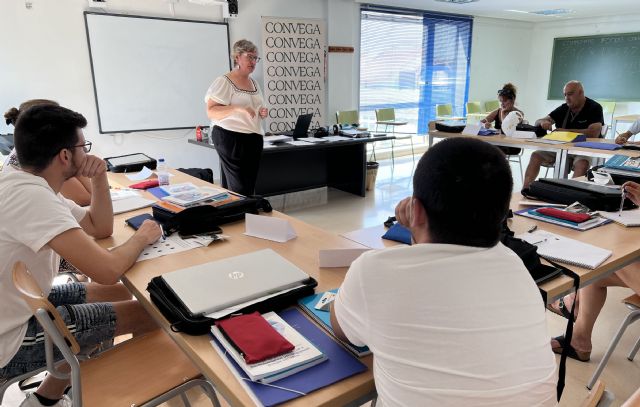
(153,73)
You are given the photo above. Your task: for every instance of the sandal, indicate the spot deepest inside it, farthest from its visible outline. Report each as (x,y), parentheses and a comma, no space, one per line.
(571,352)
(562,310)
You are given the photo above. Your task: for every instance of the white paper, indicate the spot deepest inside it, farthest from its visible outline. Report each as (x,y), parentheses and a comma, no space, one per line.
(336,138)
(531,202)
(139,176)
(339,257)
(174,244)
(566,250)
(130,204)
(626,218)
(312,139)
(297,143)
(234,308)
(524,134)
(472,128)
(269,228)
(118,193)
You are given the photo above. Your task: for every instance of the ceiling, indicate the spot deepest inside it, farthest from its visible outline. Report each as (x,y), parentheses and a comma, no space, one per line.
(500,8)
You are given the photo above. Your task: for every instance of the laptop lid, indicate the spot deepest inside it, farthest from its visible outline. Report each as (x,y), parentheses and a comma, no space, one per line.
(302,125)
(217,285)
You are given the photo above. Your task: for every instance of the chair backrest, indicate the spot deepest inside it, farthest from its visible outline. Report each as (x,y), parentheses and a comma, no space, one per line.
(444,110)
(31,292)
(491,105)
(385,115)
(474,107)
(347,116)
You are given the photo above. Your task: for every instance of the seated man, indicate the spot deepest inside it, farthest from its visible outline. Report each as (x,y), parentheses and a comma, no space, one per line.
(578,114)
(39,226)
(455,319)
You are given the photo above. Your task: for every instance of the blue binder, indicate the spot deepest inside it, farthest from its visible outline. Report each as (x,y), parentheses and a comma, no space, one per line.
(340,365)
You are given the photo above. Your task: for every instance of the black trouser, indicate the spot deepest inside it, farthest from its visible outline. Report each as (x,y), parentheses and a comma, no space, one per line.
(239,159)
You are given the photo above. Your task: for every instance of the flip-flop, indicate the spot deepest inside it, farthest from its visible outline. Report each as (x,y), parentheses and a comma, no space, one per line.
(563,310)
(571,352)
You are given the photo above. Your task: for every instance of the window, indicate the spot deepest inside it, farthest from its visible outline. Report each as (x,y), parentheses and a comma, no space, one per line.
(411,61)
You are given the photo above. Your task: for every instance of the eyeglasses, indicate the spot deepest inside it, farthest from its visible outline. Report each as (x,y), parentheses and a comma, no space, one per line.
(252,58)
(86,146)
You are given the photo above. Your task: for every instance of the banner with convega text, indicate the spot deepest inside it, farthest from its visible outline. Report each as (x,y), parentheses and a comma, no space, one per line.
(294,58)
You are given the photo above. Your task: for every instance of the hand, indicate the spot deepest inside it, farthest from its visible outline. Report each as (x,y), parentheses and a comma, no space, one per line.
(263,112)
(546,125)
(250,111)
(92,167)
(621,139)
(403,211)
(149,232)
(487,125)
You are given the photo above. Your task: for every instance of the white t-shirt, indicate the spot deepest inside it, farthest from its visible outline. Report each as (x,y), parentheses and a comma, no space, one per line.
(31,216)
(223,91)
(11,163)
(450,325)
(635,128)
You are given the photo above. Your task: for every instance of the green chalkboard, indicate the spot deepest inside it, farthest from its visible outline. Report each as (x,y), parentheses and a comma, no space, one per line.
(607,65)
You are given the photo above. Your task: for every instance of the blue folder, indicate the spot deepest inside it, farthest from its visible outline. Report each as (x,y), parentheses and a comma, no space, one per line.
(340,365)
(158,192)
(398,233)
(597,145)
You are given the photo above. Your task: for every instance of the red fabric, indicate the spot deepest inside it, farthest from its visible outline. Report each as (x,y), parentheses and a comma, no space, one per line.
(560,214)
(254,337)
(150,183)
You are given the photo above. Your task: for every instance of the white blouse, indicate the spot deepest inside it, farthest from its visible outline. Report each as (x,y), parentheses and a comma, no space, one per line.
(224,92)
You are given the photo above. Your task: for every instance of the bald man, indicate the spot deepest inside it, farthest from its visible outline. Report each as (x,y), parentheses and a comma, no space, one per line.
(578,114)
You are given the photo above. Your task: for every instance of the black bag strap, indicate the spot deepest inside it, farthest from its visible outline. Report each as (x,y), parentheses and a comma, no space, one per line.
(562,368)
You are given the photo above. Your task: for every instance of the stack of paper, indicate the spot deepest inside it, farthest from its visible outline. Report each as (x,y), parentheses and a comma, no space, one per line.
(304,355)
(626,218)
(566,250)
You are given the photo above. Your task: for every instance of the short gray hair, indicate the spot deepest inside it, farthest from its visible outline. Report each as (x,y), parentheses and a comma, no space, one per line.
(240,47)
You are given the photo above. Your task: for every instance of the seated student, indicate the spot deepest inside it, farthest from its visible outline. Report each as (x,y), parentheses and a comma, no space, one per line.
(633,130)
(455,319)
(51,149)
(78,189)
(578,114)
(592,298)
(507,98)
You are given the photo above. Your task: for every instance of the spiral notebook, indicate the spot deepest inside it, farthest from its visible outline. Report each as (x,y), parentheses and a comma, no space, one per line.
(626,218)
(565,250)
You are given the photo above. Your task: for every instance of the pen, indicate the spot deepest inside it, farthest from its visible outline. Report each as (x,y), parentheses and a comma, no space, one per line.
(621,202)
(162,230)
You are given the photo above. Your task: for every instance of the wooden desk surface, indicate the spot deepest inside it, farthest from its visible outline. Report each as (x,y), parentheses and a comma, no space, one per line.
(302,251)
(502,140)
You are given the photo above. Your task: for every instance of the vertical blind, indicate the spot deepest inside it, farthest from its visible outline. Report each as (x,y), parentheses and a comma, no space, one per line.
(411,61)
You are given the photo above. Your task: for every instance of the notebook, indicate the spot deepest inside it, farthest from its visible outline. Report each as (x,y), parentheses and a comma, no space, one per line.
(302,126)
(626,218)
(565,250)
(590,224)
(216,285)
(598,145)
(339,366)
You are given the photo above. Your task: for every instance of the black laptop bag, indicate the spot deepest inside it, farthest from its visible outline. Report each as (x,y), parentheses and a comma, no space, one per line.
(568,191)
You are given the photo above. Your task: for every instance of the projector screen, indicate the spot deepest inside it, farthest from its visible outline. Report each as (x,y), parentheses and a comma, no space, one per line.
(152,73)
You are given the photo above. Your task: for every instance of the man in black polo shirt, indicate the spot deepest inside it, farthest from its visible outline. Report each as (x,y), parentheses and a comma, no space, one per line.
(578,114)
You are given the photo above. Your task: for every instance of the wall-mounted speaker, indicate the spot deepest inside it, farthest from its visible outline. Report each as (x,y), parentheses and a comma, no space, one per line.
(233,8)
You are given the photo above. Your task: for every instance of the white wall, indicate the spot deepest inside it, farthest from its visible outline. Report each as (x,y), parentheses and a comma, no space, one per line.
(500,53)
(47,57)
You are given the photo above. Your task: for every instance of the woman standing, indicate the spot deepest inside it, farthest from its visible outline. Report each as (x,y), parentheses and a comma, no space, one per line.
(235,107)
(507,98)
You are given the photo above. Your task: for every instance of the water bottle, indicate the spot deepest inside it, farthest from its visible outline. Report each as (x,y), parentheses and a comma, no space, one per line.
(163,174)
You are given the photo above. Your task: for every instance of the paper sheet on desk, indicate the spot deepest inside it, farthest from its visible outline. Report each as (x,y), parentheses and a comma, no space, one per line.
(175,244)
(336,138)
(139,176)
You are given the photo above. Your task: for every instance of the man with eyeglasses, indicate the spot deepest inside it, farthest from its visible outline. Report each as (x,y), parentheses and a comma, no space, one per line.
(39,226)
(578,114)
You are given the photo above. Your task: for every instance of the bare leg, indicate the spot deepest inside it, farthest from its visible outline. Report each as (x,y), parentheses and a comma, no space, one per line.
(580,168)
(131,318)
(533,169)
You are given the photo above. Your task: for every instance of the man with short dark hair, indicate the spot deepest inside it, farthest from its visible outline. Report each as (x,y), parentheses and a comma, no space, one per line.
(578,114)
(39,226)
(455,319)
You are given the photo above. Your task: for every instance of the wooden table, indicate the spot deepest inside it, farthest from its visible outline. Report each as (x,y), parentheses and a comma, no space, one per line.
(302,251)
(623,242)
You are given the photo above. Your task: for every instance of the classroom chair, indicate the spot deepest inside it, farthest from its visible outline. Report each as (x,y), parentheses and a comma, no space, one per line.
(387,117)
(599,396)
(143,371)
(608,108)
(475,112)
(347,116)
(444,111)
(491,105)
(633,303)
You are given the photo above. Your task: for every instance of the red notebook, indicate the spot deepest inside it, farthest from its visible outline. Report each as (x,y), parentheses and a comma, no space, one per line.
(560,214)
(253,337)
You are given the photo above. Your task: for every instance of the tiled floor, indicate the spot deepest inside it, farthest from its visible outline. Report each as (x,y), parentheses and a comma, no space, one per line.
(346,212)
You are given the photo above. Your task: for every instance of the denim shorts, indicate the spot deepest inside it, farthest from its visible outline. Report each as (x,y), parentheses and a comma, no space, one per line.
(91,325)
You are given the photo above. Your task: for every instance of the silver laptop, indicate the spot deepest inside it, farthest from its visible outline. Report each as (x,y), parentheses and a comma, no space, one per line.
(217,285)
